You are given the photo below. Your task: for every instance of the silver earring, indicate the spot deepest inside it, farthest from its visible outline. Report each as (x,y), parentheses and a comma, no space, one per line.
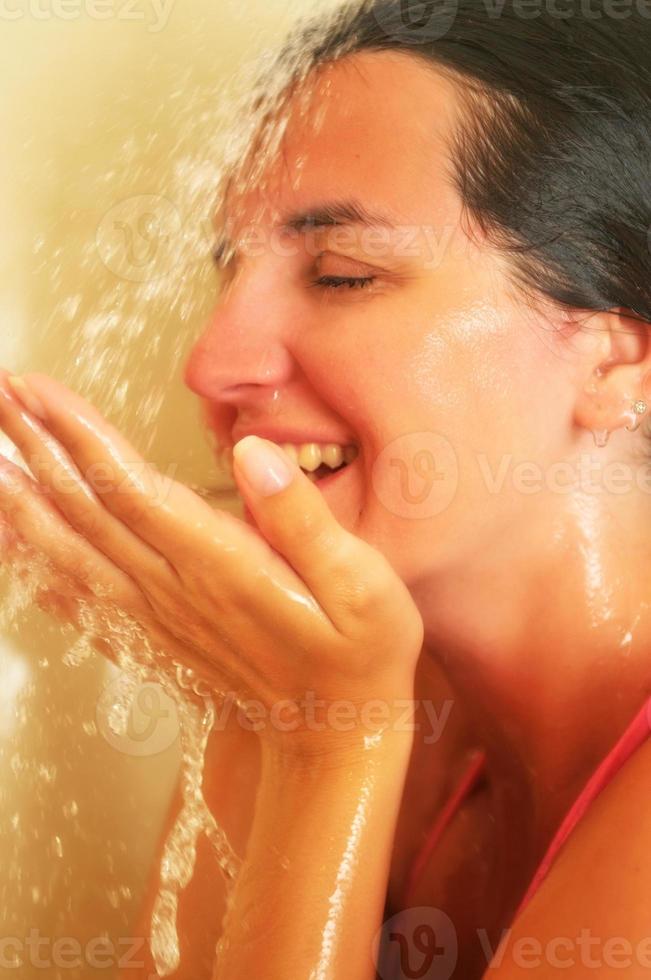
(638,408)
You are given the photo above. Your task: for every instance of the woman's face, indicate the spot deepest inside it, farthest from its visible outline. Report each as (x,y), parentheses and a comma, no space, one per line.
(436,369)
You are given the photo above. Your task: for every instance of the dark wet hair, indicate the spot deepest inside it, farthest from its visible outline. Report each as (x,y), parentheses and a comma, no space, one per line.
(553,156)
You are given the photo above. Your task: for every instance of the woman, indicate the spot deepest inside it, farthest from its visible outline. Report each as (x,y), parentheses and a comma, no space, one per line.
(452,283)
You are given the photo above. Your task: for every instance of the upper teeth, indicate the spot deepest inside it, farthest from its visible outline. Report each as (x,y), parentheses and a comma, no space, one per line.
(310,455)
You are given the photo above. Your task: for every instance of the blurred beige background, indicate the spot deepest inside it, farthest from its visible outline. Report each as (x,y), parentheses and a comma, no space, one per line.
(109,114)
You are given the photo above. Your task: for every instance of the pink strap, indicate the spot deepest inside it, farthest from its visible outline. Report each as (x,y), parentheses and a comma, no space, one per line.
(463,788)
(636,733)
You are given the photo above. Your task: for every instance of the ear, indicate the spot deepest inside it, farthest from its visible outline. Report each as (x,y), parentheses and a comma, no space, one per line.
(616,380)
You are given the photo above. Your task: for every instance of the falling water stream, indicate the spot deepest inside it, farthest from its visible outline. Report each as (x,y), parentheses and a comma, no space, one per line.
(142,663)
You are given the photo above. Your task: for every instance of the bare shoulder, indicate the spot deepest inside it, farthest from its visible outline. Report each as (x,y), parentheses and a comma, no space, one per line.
(591,915)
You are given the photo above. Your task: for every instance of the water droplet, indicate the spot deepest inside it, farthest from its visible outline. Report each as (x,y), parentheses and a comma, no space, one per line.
(79,652)
(600,436)
(70,809)
(47,773)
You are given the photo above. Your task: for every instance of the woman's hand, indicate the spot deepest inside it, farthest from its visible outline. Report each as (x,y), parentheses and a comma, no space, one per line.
(296,615)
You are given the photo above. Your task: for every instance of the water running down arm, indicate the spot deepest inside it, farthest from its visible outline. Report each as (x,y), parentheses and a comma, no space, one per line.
(310,896)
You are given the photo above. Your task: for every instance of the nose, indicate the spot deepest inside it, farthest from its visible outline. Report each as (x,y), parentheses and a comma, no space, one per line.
(243,350)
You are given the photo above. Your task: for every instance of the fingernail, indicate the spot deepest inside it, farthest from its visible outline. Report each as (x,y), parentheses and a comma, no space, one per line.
(265,467)
(26,396)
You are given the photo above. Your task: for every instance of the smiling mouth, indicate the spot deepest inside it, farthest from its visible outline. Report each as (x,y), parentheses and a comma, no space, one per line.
(223,496)
(319,462)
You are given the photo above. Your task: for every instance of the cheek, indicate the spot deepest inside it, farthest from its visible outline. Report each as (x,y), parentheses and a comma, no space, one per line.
(445,403)
(440,403)
(484,377)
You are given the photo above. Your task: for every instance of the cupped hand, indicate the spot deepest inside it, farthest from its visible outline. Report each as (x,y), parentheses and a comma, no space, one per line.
(295,608)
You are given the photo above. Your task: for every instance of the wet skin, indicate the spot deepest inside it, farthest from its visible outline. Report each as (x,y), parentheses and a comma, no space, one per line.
(536,603)
(526,580)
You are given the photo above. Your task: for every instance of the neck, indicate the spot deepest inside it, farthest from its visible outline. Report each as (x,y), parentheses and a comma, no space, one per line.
(546,641)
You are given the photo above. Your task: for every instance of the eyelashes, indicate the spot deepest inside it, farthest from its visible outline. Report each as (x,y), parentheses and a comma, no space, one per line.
(226,272)
(343,282)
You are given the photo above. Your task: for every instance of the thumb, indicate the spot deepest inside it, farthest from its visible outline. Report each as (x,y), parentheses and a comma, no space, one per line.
(292,514)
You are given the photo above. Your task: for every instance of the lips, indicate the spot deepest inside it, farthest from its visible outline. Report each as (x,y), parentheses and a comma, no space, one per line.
(323,474)
(287,433)
(330,476)
(279,433)
(317,463)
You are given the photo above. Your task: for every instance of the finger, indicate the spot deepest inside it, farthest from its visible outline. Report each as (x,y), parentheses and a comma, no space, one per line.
(344,574)
(67,609)
(36,520)
(165,514)
(59,476)
(88,587)
(202,544)
(59,605)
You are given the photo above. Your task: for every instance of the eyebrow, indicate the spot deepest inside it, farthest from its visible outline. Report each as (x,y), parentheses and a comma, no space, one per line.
(350,212)
(326,214)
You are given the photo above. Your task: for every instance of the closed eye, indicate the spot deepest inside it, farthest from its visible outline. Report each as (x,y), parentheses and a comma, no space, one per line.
(339,282)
